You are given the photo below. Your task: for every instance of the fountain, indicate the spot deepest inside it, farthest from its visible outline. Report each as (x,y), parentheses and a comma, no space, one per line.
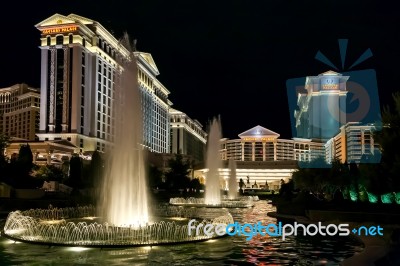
(232,182)
(213,198)
(78,227)
(124,194)
(124,212)
(213,163)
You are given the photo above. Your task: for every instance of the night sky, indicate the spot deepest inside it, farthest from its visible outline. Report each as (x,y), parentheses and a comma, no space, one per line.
(227,58)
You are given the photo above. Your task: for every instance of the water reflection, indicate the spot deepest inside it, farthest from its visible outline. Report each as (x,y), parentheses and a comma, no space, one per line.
(261,250)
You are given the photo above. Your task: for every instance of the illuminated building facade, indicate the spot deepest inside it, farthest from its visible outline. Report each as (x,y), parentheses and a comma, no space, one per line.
(322,116)
(53,152)
(261,144)
(263,158)
(352,143)
(19,111)
(322,108)
(187,135)
(79,64)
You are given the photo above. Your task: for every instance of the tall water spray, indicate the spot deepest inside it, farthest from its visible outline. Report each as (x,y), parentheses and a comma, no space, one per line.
(232,182)
(213,163)
(124,197)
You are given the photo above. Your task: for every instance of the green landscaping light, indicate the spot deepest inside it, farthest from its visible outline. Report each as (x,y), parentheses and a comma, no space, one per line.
(387,198)
(353,195)
(372,198)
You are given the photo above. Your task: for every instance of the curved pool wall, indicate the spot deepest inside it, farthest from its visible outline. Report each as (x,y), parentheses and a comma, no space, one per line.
(225,202)
(77,227)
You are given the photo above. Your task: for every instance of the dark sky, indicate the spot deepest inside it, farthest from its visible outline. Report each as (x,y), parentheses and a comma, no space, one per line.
(228,58)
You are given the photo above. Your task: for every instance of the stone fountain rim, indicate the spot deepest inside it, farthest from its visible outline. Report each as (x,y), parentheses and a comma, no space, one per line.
(52,244)
(204,205)
(115,245)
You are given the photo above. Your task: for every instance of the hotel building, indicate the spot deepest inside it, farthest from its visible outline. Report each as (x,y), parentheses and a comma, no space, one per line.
(263,158)
(322,108)
(322,116)
(187,136)
(352,143)
(261,144)
(79,64)
(19,111)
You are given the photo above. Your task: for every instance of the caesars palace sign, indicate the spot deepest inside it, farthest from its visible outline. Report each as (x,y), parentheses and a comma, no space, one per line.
(60,30)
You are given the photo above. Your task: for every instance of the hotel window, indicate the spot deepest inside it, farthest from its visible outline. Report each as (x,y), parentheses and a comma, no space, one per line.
(83,42)
(48,40)
(60,39)
(71,38)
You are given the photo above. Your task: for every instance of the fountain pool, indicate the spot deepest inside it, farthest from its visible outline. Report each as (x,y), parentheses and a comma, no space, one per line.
(233,250)
(79,227)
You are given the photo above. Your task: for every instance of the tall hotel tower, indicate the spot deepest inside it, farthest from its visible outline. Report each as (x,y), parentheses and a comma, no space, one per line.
(79,63)
(322,109)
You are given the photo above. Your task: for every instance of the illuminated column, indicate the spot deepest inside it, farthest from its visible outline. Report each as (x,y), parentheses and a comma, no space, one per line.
(48,155)
(372,144)
(362,142)
(253,151)
(263,149)
(43,91)
(52,89)
(242,151)
(65,92)
(274,150)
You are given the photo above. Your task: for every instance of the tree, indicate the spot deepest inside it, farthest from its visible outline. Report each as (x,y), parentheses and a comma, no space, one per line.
(25,160)
(310,177)
(75,171)
(388,139)
(4,140)
(96,169)
(195,185)
(266,187)
(241,183)
(49,173)
(338,178)
(154,176)
(177,175)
